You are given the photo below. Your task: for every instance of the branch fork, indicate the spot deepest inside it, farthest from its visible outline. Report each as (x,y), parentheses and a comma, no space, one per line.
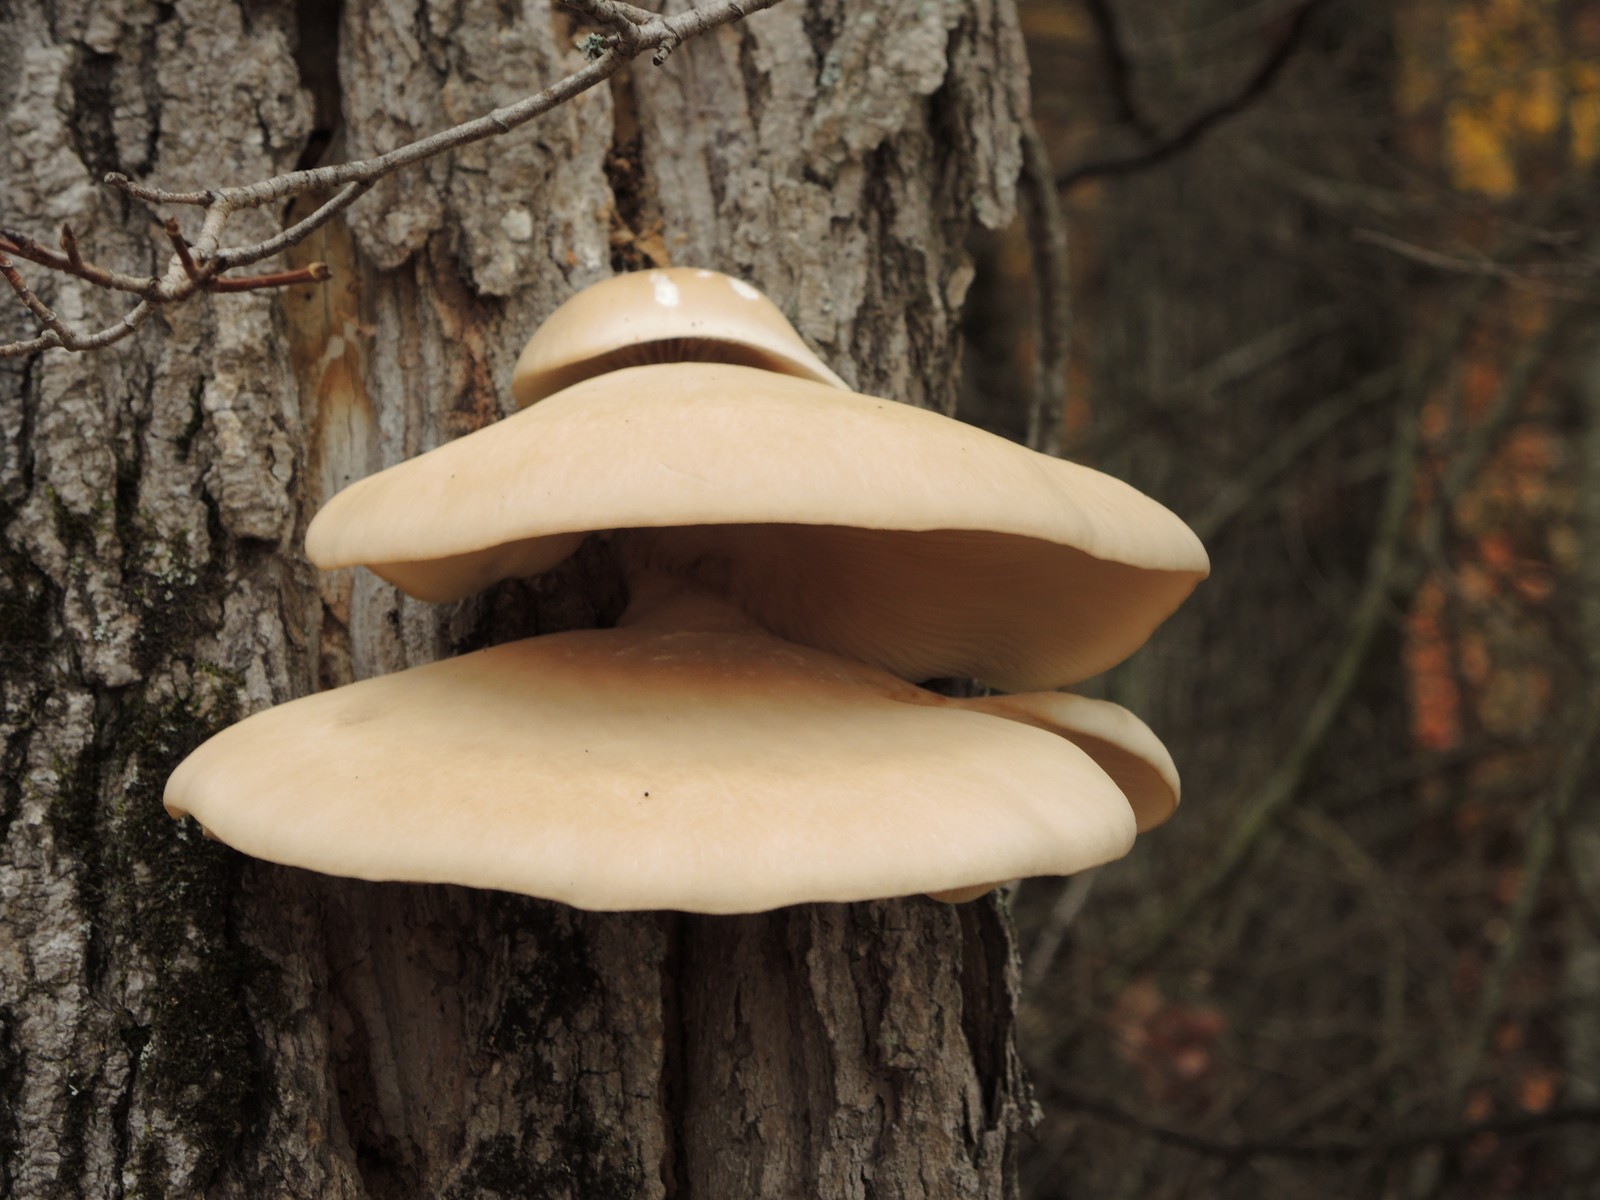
(200,265)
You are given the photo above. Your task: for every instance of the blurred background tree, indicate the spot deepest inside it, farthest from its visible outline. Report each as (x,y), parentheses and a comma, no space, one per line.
(1333,279)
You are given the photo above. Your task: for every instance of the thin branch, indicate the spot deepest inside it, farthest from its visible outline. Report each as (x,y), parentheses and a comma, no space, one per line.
(317,272)
(72,263)
(297,232)
(1235,495)
(1538,853)
(181,249)
(1070,901)
(1474,266)
(1514,1125)
(1052,290)
(69,243)
(1385,568)
(1119,69)
(34,305)
(1203,123)
(197,266)
(1537,278)
(156,196)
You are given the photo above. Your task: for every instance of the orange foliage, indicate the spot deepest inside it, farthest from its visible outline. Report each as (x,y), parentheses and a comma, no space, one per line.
(1435,699)
(1513,83)
(1538,1088)
(1171,1044)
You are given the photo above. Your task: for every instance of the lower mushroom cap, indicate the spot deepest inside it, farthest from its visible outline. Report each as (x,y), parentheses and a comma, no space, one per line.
(638,768)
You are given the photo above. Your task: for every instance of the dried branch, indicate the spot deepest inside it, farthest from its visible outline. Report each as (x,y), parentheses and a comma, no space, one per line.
(1386,578)
(1119,69)
(1070,901)
(34,305)
(197,266)
(1052,290)
(1538,853)
(1236,494)
(72,263)
(1533,277)
(1354,1147)
(1204,122)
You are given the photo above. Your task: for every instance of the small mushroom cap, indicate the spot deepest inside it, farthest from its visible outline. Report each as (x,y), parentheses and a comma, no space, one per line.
(638,768)
(1120,743)
(674,315)
(872,529)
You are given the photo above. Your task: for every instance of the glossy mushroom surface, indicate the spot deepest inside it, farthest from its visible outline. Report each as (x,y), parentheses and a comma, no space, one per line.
(675,314)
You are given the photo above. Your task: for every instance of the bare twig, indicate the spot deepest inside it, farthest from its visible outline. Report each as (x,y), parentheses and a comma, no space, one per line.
(1052,291)
(1070,901)
(1354,1147)
(1119,69)
(1198,126)
(69,243)
(72,263)
(1385,578)
(34,305)
(196,266)
(1538,853)
(1562,281)
(317,272)
(181,249)
(1583,269)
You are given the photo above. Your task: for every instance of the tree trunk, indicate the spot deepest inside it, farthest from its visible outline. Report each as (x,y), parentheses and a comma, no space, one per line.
(176,1020)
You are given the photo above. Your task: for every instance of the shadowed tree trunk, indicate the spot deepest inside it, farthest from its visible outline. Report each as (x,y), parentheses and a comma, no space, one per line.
(176,1020)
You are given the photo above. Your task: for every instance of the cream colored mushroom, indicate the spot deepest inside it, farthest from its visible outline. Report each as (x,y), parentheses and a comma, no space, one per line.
(687,760)
(871,529)
(675,315)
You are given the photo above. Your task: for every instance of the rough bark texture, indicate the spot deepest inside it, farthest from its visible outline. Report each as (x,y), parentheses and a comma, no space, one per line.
(176,1020)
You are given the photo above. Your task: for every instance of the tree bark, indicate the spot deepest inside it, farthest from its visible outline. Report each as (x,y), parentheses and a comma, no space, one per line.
(176,1020)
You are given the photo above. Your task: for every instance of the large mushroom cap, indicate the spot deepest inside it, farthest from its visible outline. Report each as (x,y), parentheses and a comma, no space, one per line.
(875,530)
(673,315)
(708,771)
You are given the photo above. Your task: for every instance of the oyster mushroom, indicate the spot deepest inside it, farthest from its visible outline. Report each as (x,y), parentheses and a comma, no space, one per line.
(678,314)
(749,736)
(687,760)
(875,530)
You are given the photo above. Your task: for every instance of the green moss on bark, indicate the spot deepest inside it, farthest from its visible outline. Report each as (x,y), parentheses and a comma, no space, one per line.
(10,1099)
(156,892)
(27,600)
(582,1168)
(200,1063)
(557,980)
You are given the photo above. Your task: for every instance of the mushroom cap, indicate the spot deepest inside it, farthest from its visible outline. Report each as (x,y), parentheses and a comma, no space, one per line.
(638,768)
(1122,745)
(673,315)
(876,530)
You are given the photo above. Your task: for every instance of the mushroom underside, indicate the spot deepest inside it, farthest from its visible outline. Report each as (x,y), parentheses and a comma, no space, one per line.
(674,314)
(952,551)
(1013,613)
(663,350)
